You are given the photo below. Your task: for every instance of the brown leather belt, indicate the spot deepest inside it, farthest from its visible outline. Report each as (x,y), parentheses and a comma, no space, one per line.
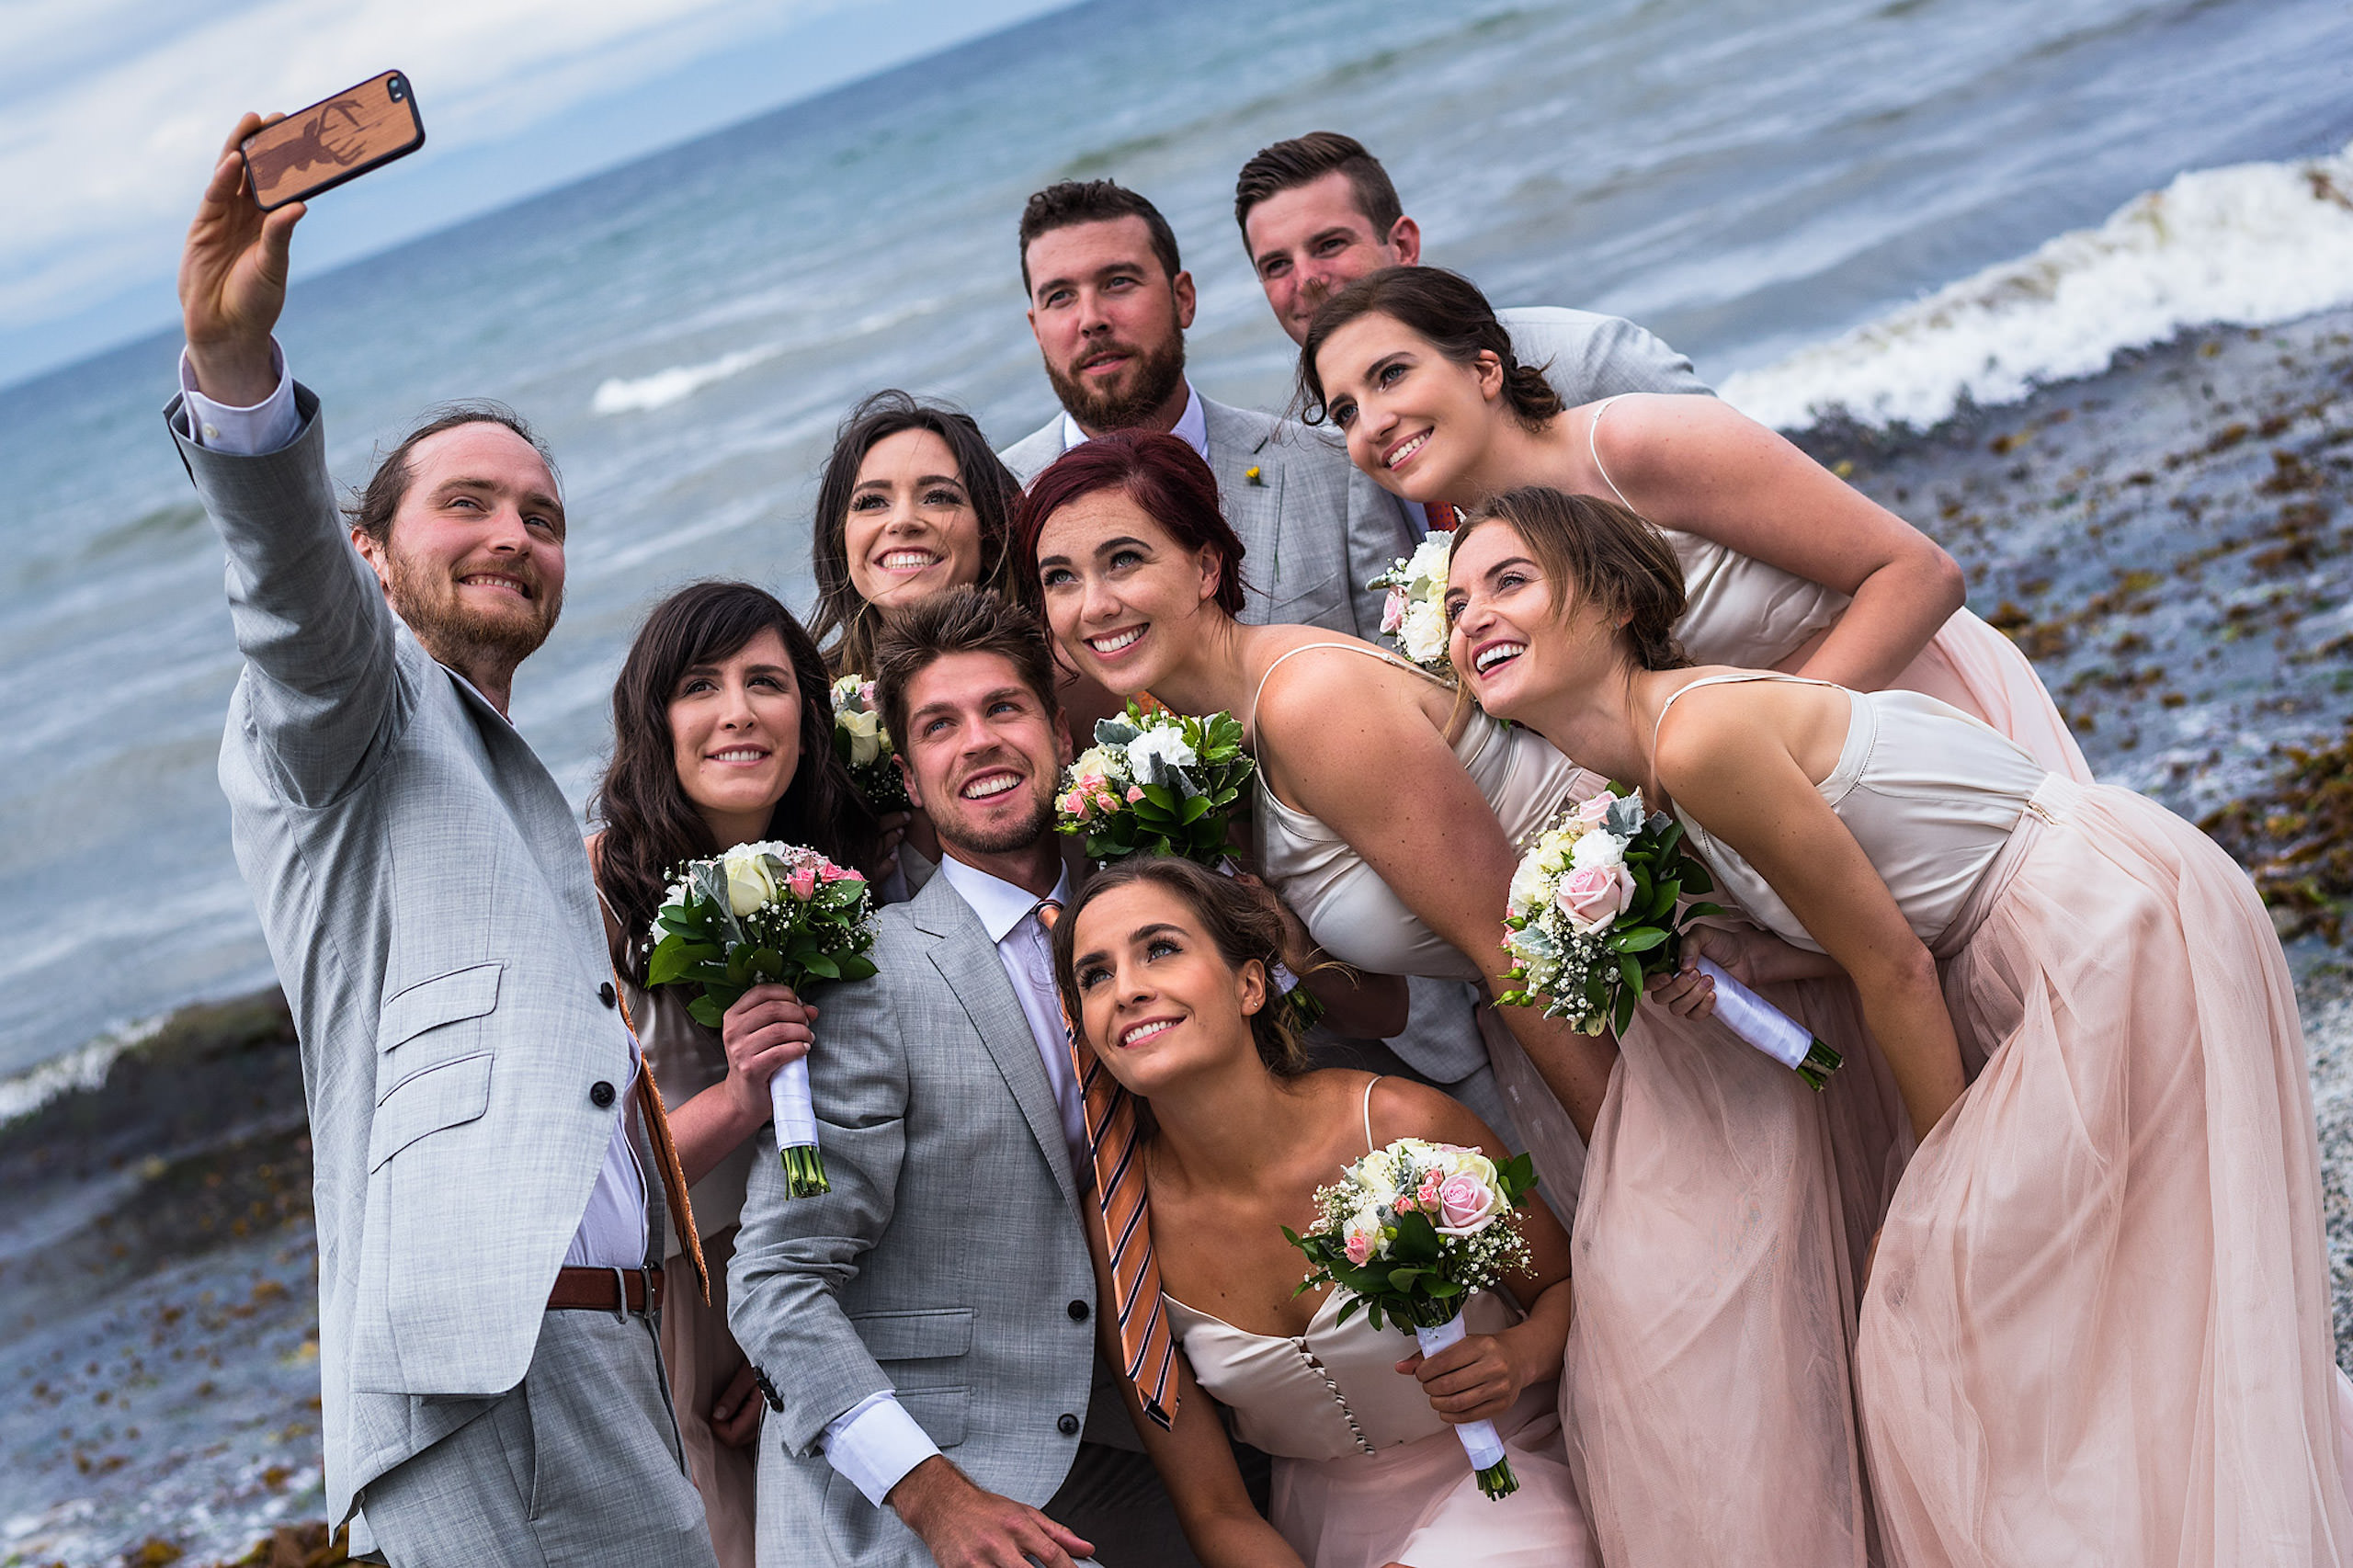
(616,1291)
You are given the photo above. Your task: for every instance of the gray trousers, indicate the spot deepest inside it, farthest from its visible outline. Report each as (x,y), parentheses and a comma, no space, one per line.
(578,1463)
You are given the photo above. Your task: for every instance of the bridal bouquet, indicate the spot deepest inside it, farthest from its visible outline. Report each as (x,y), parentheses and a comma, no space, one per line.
(863,742)
(1407,1232)
(1594,911)
(764,914)
(1155,783)
(1415,616)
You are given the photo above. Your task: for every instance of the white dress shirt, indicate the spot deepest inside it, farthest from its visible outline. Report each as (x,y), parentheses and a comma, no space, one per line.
(874,1443)
(1193,425)
(612,1231)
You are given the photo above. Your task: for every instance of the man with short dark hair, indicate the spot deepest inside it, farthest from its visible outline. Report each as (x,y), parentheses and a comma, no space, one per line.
(489,1249)
(1318,212)
(926,1331)
(1109,302)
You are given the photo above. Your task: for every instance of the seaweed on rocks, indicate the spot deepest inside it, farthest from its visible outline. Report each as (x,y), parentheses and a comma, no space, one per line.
(2296,837)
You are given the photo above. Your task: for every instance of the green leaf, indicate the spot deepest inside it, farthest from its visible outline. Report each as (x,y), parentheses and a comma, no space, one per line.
(822,966)
(706,1012)
(1641,940)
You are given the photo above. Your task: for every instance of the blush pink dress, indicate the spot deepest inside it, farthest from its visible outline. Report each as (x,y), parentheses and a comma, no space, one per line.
(1365,1471)
(2098,1330)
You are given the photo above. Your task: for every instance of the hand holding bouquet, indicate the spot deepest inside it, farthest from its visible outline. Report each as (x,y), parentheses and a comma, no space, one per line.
(1595,910)
(1407,1232)
(1414,618)
(863,742)
(764,914)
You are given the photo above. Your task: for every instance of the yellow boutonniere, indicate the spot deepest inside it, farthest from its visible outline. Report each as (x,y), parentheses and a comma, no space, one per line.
(1252,474)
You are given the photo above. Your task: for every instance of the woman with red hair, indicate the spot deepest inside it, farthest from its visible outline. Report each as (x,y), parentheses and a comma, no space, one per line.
(1387,812)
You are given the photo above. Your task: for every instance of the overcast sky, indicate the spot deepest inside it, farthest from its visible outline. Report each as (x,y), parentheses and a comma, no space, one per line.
(112,111)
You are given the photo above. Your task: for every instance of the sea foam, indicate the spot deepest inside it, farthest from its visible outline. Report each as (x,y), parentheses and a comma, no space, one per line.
(2246,245)
(662,387)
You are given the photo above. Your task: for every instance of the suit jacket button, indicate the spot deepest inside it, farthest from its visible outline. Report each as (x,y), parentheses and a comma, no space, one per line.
(1078,1312)
(600,1094)
(1067,1424)
(605,994)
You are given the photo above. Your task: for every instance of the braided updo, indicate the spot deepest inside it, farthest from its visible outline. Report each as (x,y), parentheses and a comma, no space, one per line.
(1597,550)
(1444,308)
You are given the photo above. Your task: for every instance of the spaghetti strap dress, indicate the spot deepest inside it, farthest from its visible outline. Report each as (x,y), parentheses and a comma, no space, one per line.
(1750,614)
(1365,1471)
(1707,1394)
(2098,1330)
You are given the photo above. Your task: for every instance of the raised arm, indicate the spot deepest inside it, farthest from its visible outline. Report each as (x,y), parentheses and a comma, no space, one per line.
(1360,755)
(1730,763)
(323,683)
(1700,466)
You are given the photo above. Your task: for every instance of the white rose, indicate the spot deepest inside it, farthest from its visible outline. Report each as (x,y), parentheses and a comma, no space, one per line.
(1528,884)
(1168,746)
(749,885)
(1599,850)
(1431,560)
(865,736)
(1101,762)
(1424,635)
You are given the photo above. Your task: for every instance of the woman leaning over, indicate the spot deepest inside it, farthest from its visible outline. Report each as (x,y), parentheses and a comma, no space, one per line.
(1387,809)
(1787,566)
(721,735)
(912,503)
(2097,1329)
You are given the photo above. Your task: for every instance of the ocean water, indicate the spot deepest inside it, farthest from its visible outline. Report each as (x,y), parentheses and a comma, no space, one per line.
(1885,205)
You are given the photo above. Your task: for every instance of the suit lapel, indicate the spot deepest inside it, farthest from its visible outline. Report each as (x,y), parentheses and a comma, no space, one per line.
(1253,506)
(968,962)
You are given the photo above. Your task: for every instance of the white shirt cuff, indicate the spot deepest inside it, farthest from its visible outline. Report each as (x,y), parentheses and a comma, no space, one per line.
(267,426)
(874,1444)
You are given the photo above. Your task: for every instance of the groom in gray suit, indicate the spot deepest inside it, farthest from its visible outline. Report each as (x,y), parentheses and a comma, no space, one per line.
(1109,303)
(490,1386)
(926,1332)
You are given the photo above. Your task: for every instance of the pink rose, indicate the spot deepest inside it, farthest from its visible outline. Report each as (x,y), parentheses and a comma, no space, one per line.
(1135,793)
(1428,1193)
(1596,895)
(1392,612)
(1465,1201)
(866,697)
(1591,811)
(1360,1248)
(803,881)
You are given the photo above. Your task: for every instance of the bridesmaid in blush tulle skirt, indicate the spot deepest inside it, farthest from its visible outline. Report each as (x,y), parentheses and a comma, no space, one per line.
(2097,1329)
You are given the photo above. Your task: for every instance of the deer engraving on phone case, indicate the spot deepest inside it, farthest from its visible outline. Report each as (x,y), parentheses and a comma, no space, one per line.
(305,152)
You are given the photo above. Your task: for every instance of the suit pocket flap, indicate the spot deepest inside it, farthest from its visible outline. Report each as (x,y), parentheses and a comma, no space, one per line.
(445,999)
(447,1093)
(914,1336)
(939,1411)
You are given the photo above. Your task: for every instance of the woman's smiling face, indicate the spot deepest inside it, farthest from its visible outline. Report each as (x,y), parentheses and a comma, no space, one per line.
(1416,421)
(911,529)
(1514,650)
(1157,1000)
(1122,598)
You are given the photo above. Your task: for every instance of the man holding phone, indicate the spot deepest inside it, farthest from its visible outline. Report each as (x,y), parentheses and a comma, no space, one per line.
(485,1141)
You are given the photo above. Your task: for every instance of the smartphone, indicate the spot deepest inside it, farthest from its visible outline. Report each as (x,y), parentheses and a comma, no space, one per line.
(338,139)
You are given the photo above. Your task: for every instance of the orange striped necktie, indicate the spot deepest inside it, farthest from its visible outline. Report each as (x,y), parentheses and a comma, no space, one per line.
(1121,1202)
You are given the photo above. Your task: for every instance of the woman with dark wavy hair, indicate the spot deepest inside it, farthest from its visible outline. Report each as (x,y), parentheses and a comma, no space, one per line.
(722,734)
(912,503)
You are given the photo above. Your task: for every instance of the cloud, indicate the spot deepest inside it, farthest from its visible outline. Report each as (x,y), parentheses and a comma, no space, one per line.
(112,110)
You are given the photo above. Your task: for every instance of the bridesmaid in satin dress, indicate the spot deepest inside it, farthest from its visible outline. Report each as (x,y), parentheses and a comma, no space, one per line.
(1385,815)
(2097,1326)
(1164,969)
(1786,566)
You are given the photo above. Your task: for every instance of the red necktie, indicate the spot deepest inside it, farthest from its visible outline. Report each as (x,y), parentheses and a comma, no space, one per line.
(1146,1345)
(1441,516)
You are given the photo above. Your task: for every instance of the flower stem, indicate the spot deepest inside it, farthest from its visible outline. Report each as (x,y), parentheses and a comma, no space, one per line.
(804,1173)
(1497,1481)
(1819,1064)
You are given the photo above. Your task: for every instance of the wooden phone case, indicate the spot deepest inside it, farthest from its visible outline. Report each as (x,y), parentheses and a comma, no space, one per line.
(334,140)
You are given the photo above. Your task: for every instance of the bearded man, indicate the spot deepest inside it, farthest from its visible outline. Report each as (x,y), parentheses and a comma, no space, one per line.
(489,1264)
(1109,303)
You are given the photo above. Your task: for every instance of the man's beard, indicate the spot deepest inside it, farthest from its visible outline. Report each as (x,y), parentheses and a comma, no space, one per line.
(952,830)
(1152,375)
(425,599)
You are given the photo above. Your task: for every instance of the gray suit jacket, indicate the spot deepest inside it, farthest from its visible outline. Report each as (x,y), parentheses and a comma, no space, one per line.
(1313,529)
(423,888)
(947,1263)
(1586,356)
